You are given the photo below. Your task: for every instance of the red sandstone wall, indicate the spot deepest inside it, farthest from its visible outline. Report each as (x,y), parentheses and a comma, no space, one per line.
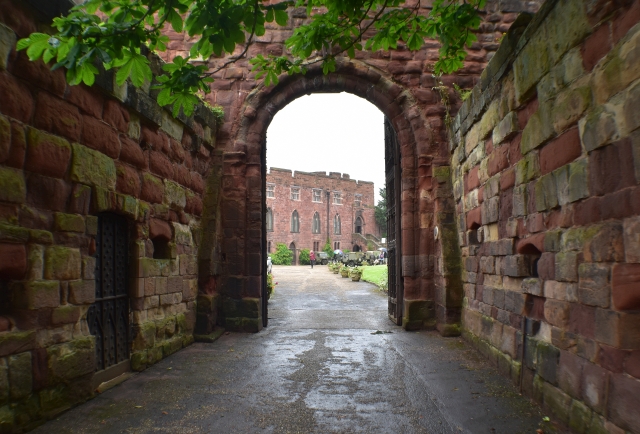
(400,83)
(68,154)
(546,158)
(282,207)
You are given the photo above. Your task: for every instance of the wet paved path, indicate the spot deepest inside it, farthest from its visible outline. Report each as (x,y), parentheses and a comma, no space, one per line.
(319,367)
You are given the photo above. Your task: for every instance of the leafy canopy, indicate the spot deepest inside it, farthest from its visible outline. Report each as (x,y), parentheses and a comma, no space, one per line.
(282,255)
(380,212)
(113,32)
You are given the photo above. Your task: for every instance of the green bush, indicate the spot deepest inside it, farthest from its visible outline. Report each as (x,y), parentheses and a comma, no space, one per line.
(303,258)
(282,255)
(327,248)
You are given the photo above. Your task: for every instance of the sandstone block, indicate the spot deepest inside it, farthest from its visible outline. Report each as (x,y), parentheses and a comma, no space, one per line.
(594,286)
(611,168)
(88,267)
(182,234)
(632,240)
(66,315)
(128,181)
(528,168)
(547,361)
(546,193)
(13,261)
(7,42)
(152,189)
(561,290)
(47,154)
(72,359)
(506,128)
(604,243)
(174,194)
(625,285)
(566,267)
(570,373)
(20,376)
(520,200)
(532,286)
(531,64)
(598,128)
(618,329)
(37,294)
(560,151)
(12,186)
(556,312)
(594,383)
(547,266)
(144,336)
(624,401)
(62,263)
(82,292)
(490,210)
(99,136)
(539,129)
(68,222)
(578,180)
(580,416)
(93,168)
(16,342)
(569,107)
(517,265)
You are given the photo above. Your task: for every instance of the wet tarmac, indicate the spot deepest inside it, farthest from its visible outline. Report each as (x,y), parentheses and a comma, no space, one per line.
(329,362)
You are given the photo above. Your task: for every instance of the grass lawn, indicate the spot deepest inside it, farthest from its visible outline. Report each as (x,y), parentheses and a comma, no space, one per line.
(376,274)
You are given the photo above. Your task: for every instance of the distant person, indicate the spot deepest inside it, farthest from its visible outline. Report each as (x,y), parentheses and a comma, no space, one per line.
(383,256)
(312,258)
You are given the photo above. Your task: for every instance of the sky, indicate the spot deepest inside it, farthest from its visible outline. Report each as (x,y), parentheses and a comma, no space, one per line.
(337,132)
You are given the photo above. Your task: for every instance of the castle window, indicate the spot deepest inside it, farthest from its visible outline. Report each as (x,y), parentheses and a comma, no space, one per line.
(295,193)
(315,227)
(357,201)
(269,220)
(295,222)
(337,198)
(317,195)
(337,227)
(358,225)
(271,190)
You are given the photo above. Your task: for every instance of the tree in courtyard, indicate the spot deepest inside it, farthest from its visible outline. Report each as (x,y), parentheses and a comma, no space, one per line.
(380,212)
(113,32)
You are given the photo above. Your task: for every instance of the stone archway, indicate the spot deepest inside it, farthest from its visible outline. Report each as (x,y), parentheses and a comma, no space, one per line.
(429,299)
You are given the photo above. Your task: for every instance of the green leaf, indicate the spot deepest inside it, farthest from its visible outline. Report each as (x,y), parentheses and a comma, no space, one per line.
(176,20)
(269,16)
(136,67)
(281,17)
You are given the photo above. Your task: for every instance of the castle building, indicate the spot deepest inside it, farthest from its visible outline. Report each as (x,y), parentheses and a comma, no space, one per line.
(304,210)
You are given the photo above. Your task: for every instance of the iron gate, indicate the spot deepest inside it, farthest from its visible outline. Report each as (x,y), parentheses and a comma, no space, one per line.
(108,317)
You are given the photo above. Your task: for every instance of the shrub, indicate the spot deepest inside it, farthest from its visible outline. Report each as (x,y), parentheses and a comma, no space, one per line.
(282,255)
(327,248)
(270,285)
(303,258)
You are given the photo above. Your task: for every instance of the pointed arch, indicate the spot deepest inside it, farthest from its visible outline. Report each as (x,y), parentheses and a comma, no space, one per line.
(359,224)
(315,226)
(269,220)
(337,225)
(295,221)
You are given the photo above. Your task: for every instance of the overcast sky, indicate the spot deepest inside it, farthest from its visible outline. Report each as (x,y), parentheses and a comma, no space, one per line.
(332,133)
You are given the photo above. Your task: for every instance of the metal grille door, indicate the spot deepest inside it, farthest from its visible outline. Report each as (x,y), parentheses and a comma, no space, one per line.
(108,317)
(392,169)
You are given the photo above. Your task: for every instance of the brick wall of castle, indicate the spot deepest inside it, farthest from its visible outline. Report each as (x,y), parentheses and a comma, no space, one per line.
(71,157)
(314,191)
(546,176)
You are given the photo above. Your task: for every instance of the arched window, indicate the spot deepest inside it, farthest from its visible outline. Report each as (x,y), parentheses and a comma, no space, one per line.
(358,225)
(269,220)
(315,227)
(295,222)
(337,227)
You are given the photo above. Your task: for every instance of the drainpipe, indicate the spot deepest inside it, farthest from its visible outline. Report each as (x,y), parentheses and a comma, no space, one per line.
(328,212)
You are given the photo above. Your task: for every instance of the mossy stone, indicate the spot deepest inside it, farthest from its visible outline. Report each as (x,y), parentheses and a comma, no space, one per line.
(580,416)
(247,325)
(69,222)
(6,419)
(62,263)
(15,342)
(145,336)
(72,359)
(92,168)
(12,185)
(14,234)
(38,236)
(174,194)
(139,360)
